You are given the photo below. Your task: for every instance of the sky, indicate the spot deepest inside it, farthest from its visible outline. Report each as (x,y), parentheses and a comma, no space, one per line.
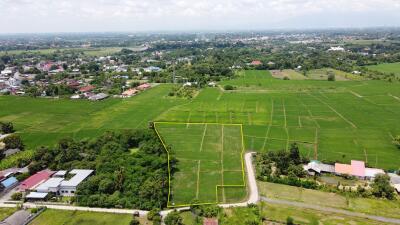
(41,16)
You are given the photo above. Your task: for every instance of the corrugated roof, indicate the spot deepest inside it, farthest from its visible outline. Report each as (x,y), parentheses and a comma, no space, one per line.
(50,183)
(343,168)
(372,172)
(9,182)
(35,180)
(37,195)
(357,168)
(80,175)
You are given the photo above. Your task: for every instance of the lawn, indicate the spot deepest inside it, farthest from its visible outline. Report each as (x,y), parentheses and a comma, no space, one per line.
(387,68)
(62,217)
(378,207)
(210,162)
(6,212)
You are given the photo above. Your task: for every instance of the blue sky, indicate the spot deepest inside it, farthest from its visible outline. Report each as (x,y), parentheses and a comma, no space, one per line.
(27,16)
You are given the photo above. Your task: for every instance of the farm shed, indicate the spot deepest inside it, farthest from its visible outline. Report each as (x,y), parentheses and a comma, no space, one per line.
(317,167)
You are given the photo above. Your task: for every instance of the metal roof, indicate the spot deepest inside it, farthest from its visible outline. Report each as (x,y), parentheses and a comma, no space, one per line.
(37,195)
(50,183)
(80,175)
(9,182)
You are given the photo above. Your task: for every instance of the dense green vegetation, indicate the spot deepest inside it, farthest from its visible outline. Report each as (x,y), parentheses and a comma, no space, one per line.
(123,179)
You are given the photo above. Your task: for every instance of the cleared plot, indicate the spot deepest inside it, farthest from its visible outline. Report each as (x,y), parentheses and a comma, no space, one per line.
(290,74)
(62,217)
(210,163)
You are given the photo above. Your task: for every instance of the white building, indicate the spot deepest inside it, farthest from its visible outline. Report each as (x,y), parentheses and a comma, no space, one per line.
(68,187)
(60,186)
(337,49)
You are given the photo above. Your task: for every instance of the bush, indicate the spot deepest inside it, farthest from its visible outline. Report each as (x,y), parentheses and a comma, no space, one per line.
(286,78)
(289,220)
(17,196)
(229,87)
(6,127)
(13,141)
(331,77)
(152,214)
(34,210)
(134,221)
(173,218)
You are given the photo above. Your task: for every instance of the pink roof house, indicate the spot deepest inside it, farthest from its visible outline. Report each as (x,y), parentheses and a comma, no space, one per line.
(34,180)
(356,168)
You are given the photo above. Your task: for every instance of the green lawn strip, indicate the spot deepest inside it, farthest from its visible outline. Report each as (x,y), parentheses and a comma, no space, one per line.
(6,212)
(378,207)
(61,217)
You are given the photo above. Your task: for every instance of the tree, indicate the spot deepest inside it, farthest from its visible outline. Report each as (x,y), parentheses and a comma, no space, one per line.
(289,220)
(134,221)
(381,187)
(33,91)
(7,127)
(16,196)
(396,141)
(173,218)
(229,87)
(295,154)
(13,141)
(331,76)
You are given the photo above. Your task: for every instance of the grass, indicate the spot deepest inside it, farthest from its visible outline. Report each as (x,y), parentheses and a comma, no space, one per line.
(387,68)
(291,74)
(6,212)
(378,207)
(210,164)
(61,217)
(308,216)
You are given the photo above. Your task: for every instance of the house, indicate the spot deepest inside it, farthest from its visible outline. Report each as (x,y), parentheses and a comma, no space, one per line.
(35,180)
(144,86)
(256,63)
(210,221)
(98,97)
(68,187)
(50,185)
(357,169)
(316,167)
(88,88)
(129,93)
(152,69)
(336,49)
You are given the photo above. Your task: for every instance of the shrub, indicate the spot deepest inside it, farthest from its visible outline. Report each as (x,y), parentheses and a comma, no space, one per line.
(17,196)
(152,214)
(289,220)
(13,141)
(229,87)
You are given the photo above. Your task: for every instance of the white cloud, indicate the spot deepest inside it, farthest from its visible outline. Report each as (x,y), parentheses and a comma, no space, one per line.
(131,15)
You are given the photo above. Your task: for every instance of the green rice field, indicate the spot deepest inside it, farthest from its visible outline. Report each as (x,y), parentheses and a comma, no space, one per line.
(210,162)
(330,121)
(387,68)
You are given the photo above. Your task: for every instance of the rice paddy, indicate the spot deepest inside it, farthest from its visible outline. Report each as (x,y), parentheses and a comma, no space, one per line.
(210,162)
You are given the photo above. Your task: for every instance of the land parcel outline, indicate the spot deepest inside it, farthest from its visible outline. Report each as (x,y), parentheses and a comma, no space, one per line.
(210,166)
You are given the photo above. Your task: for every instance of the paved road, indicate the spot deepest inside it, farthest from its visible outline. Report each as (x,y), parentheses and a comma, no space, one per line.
(254,196)
(330,210)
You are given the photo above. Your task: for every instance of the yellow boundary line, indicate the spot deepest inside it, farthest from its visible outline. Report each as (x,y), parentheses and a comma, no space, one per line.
(217,186)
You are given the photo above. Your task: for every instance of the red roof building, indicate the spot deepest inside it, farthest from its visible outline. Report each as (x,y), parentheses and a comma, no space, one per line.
(87,88)
(256,63)
(34,180)
(144,86)
(210,221)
